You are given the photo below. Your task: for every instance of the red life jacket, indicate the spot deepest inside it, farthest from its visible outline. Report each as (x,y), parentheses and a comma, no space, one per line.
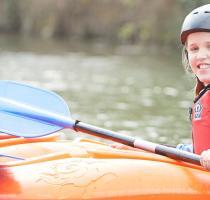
(201,121)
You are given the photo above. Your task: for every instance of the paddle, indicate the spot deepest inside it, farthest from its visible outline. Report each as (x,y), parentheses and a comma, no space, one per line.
(29,112)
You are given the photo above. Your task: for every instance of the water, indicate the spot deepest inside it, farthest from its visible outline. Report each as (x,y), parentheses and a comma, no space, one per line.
(143,94)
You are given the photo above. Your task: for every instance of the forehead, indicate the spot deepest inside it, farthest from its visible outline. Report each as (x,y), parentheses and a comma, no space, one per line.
(198,37)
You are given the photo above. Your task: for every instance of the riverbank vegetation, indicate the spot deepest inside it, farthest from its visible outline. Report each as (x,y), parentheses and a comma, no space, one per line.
(120,21)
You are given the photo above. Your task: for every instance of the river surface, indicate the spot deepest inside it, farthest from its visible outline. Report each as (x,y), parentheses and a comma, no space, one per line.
(139,92)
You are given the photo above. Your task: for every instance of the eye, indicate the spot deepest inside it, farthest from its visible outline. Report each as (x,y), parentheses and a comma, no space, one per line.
(193,49)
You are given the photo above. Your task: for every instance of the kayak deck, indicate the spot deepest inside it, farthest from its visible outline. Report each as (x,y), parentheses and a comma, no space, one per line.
(90,170)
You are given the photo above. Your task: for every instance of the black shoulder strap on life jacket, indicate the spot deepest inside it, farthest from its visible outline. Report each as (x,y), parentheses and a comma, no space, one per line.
(202,92)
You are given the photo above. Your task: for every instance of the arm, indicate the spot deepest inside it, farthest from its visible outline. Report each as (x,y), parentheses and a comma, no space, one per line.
(185,147)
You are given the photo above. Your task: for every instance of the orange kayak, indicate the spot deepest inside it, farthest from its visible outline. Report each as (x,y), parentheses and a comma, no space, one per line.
(85,169)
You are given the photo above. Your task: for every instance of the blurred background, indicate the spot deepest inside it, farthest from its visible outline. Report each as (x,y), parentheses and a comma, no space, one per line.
(116,63)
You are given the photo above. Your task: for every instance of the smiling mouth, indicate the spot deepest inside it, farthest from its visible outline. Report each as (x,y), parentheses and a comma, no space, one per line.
(203,66)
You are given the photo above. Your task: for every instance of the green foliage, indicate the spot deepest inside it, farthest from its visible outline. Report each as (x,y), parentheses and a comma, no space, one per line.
(131,21)
(126,31)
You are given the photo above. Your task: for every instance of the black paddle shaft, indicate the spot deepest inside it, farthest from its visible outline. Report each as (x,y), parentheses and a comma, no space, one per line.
(178,154)
(104,133)
(131,141)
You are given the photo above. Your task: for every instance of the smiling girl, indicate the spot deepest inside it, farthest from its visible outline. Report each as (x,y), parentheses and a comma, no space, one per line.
(195,36)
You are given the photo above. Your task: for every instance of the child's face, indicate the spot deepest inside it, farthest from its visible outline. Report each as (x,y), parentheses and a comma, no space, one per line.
(198,48)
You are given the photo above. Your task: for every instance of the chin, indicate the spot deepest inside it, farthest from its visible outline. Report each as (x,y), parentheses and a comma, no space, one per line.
(204,79)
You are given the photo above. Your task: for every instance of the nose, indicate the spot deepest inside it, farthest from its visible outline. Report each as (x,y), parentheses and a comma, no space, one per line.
(202,54)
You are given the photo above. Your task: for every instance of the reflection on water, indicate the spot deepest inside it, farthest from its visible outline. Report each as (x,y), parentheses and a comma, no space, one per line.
(146,96)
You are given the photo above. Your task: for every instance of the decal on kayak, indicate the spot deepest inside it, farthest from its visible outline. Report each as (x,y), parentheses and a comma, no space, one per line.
(75,171)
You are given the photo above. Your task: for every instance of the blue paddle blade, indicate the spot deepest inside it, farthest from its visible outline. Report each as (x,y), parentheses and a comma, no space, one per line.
(17,124)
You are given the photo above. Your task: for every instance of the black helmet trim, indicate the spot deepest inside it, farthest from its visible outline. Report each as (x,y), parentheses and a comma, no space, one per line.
(186,33)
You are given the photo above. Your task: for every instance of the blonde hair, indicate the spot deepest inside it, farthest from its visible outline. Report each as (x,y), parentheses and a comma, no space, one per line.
(199,85)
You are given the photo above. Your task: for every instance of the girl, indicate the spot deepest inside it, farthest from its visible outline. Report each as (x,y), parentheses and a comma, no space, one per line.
(195,36)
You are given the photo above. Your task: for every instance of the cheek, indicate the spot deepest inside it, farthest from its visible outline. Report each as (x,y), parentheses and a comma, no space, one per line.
(192,62)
